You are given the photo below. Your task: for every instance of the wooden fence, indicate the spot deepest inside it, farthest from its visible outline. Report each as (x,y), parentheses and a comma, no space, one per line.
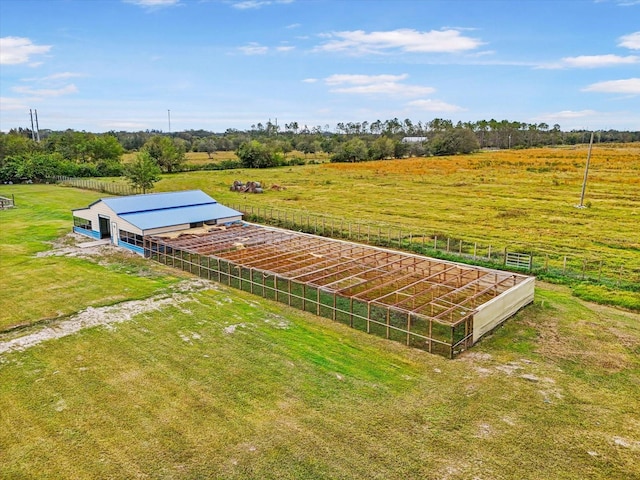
(6,202)
(113,188)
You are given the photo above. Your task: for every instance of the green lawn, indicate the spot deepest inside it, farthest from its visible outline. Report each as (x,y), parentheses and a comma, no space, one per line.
(177,393)
(37,288)
(227,385)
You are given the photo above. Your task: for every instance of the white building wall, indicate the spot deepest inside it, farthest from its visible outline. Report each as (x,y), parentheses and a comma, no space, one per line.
(497,310)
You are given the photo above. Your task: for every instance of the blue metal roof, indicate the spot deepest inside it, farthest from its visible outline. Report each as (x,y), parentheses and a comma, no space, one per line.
(178,215)
(157,201)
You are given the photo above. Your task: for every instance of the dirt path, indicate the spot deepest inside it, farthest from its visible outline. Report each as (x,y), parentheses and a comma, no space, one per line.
(92,317)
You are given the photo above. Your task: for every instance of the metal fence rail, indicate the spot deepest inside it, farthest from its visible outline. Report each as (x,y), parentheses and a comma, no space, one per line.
(410,328)
(528,259)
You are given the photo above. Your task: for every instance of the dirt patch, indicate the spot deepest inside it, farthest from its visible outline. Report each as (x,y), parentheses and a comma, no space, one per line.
(74,245)
(104,316)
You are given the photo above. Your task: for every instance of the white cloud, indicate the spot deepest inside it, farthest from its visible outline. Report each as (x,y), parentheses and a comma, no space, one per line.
(16,50)
(310,80)
(285,48)
(375,85)
(569,114)
(386,88)
(627,86)
(339,79)
(250,4)
(405,40)
(47,92)
(435,106)
(63,76)
(631,41)
(153,4)
(7,103)
(594,61)
(254,48)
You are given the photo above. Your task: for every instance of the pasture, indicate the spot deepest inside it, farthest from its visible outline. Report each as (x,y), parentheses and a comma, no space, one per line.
(523,197)
(213,382)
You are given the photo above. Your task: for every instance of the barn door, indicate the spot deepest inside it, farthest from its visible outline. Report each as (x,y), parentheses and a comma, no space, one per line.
(105,232)
(114,233)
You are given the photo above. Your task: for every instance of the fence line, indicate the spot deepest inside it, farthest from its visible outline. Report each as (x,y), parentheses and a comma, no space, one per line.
(410,328)
(6,202)
(97,185)
(406,237)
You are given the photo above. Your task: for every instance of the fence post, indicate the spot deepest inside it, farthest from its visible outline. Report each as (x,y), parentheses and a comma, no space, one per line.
(564,265)
(600,271)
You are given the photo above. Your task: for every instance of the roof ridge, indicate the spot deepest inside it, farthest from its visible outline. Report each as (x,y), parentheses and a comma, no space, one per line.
(168,208)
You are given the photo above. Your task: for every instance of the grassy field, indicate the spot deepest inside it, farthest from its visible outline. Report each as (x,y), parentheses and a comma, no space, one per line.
(513,196)
(39,288)
(520,200)
(227,385)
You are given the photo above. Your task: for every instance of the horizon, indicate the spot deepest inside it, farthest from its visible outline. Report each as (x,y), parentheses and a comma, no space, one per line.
(180,65)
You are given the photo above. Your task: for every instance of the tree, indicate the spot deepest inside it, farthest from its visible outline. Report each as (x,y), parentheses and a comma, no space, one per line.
(168,153)
(453,141)
(143,172)
(207,145)
(104,148)
(355,150)
(381,148)
(254,154)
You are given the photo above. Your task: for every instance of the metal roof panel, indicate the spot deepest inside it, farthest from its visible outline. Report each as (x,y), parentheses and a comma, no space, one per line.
(179,215)
(157,201)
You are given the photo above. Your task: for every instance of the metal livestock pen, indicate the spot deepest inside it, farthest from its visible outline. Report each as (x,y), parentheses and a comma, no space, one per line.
(438,306)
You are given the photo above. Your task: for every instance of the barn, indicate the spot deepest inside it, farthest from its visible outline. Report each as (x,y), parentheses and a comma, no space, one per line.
(126,220)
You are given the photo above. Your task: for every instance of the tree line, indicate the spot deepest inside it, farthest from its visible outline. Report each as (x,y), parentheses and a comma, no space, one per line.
(85,154)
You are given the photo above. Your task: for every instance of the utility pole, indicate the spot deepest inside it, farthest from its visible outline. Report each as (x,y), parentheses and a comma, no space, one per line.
(37,127)
(169,117)
(33,133)
(586,173)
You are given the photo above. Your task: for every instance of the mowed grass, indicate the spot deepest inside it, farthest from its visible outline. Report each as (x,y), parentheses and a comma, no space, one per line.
(520,199)
(228,385)
(37,288)
(231,386)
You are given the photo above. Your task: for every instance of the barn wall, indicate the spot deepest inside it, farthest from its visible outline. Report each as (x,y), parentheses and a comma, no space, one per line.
(497,310)
(170,228)
(222,221)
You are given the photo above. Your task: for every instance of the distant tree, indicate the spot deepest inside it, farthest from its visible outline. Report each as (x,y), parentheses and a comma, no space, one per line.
(207,145)
(14,143)
(254,154)
(143,172)
(355,150)
(453,141)
(104,148)
(381,148)
(167,152)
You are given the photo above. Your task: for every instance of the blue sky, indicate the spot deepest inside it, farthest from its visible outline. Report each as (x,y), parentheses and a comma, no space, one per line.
(100,65)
